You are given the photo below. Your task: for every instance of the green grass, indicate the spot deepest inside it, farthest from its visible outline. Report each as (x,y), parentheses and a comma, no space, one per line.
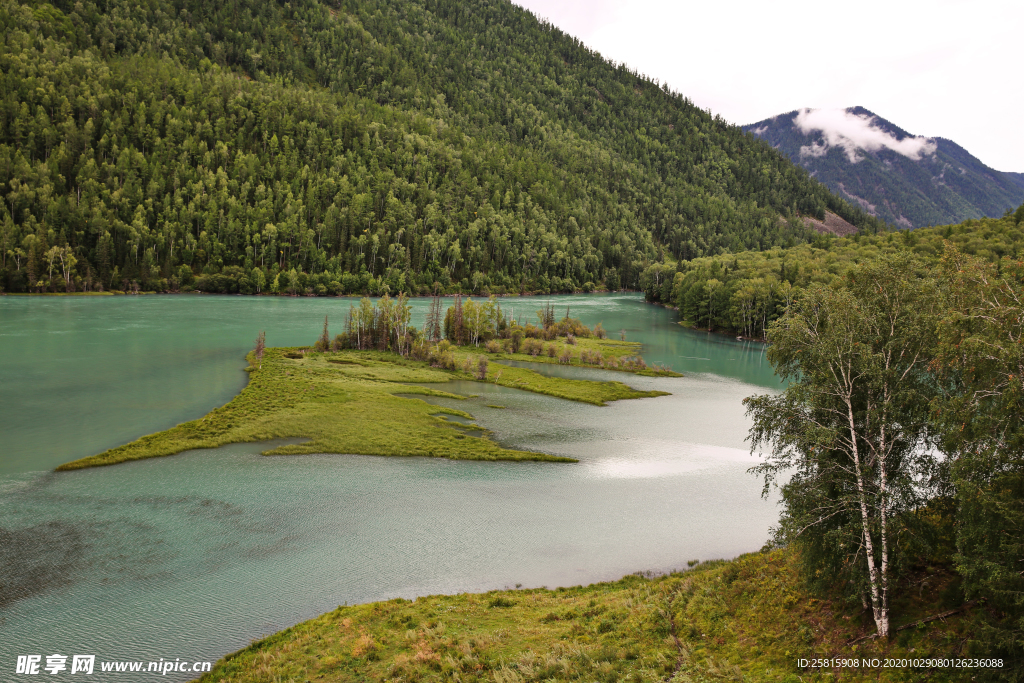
(745,620)
(582,390)
(608,348)
(344,403)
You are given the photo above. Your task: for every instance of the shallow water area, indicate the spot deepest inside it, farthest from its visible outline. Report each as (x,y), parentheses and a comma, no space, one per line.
(695,427)
(195,555)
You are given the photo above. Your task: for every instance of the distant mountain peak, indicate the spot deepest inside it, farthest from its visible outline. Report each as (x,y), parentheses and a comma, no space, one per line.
(855,130)
(907,180)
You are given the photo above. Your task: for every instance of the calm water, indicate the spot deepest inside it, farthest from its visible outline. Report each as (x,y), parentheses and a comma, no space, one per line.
(195,555)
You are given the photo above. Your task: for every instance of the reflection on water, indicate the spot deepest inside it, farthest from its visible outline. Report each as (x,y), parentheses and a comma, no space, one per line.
(79,375)
(197,554)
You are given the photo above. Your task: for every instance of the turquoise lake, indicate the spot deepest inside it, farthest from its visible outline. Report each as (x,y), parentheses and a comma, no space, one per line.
(196,555)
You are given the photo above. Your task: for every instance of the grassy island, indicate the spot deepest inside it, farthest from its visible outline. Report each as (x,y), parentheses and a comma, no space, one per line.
(345,402)
(749,619)
(342,395)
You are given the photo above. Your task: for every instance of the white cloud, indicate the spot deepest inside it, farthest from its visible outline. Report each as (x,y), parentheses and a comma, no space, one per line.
(854,133)
(938,68)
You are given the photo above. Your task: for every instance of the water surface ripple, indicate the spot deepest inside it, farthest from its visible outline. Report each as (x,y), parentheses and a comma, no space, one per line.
(195,555)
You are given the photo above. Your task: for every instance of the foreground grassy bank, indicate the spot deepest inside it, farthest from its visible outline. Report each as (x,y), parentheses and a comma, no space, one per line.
(747,619)
(345,402)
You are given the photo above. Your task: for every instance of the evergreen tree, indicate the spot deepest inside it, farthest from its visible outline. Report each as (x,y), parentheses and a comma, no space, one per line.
(359,147)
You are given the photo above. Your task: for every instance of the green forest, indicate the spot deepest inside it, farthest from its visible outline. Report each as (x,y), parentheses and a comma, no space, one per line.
(359,146)
(898,445)
(743,293)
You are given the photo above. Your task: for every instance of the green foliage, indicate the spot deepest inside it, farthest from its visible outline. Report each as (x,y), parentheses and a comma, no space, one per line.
(744,292)
(383,325)
(745,620)
(852,428)
(365,146)
(981,364)
(902,429)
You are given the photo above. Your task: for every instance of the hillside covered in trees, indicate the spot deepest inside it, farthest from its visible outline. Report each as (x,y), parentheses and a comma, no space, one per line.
(358,146)
(743,293)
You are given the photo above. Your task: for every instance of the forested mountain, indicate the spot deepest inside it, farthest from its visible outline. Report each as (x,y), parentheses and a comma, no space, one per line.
(349,146)
(904,180)
(744,293)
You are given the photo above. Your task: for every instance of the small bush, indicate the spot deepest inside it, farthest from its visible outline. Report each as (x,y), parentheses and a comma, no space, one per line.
(420,350)
(570,339)
(481,369)
(532,346)
(600,332)
(441,357)
(501,602)
(634,364)
(565,358)
(515,339)
(552,351)
(493,346)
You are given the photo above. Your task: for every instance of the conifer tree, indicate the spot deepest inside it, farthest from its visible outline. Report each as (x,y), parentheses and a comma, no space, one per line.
(261,346)
(432,328)
(324,342)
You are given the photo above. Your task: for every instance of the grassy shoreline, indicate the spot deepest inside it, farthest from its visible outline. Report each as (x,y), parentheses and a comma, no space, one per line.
(345,402)
(749,619)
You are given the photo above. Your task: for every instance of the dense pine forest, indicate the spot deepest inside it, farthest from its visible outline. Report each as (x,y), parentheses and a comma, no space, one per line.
(358,146)
(744,292)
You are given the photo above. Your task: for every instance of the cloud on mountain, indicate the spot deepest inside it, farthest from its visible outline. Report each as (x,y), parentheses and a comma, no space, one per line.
(853,133)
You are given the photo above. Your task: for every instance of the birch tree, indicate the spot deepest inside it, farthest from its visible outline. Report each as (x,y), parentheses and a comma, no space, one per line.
(851,429)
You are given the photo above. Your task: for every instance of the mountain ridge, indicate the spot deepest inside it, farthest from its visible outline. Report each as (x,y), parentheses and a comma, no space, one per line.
(903,180)
(352,145)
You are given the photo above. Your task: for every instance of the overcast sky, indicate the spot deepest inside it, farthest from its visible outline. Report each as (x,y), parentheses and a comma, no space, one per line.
(946,68)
